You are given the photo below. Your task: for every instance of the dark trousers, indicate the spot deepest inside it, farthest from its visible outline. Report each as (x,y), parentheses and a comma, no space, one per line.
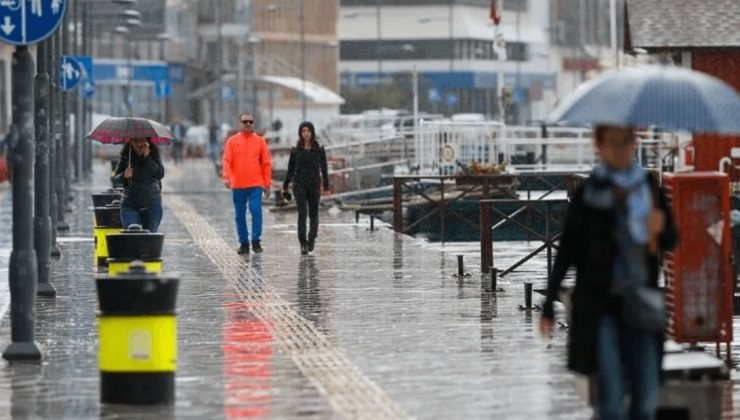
(307,201)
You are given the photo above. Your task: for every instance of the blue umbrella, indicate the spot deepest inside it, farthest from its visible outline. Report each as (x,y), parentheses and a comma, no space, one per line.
(670,98)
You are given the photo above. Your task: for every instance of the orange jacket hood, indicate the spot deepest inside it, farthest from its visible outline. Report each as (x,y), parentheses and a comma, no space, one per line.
(246,161)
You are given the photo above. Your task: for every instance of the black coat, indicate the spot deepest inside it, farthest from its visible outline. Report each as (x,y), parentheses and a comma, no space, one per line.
(305,165)
(145,187)
(588,243)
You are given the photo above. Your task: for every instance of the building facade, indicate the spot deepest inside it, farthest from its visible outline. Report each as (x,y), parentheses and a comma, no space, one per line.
(452,45)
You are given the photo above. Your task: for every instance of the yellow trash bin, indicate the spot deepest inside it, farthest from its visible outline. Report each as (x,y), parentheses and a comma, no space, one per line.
(107,221)
(133,244)
(137,337)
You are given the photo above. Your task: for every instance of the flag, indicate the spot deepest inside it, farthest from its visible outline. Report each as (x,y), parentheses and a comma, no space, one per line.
(495,16)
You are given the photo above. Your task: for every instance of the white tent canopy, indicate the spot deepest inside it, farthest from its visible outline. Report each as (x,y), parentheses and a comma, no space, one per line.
(314,92)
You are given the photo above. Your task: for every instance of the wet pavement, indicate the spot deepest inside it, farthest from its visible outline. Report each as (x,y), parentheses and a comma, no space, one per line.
(371,325)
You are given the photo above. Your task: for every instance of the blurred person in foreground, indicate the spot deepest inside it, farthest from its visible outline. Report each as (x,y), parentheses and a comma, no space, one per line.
(617,227)
(141,170)
(307,170)
(247,171)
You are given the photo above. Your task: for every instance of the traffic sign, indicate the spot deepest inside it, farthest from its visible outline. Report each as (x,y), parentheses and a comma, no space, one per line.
(87,64)
(71,72)
(88,89)
(25,22)
(163,89)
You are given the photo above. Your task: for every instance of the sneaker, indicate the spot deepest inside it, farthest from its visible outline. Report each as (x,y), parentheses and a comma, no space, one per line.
(304,249)
(256,247)
(243,249)
(310,246)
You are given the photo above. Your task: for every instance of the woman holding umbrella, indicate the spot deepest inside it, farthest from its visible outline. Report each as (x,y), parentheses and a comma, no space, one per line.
(140,167)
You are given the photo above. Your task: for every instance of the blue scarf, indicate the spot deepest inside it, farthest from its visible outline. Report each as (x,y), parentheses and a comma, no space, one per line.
(633,181)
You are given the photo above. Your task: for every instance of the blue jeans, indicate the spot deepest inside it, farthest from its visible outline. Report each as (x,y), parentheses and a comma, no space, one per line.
(148,218)
(627,356)
(253,197)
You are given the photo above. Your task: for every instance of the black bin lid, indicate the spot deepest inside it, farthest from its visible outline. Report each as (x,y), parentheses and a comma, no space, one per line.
(102,198)
(135,243)
(108,216)
(137,292)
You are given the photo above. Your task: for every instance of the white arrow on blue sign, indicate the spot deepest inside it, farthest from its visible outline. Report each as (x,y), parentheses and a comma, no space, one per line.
(25,22)
(71,72)
(163,89)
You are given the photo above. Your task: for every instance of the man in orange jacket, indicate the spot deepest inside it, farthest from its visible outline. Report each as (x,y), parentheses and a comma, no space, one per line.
(247,171)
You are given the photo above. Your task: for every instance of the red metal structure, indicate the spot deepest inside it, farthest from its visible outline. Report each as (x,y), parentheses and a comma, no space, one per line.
(698,273)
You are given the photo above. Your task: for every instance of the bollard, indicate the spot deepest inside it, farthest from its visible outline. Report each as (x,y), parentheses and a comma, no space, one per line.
(527,295)
(133,244)
(137,329)
(372,223)
(494,278)
(106,197)
(107,221)
(460,269)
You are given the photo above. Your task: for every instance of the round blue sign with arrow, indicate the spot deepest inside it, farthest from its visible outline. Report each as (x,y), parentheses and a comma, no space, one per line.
(71,72)
(25,22)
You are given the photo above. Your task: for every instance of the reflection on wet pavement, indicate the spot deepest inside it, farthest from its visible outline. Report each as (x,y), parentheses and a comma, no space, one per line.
(371,324)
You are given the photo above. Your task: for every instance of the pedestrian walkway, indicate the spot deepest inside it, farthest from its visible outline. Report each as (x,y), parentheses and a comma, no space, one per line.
(371,325)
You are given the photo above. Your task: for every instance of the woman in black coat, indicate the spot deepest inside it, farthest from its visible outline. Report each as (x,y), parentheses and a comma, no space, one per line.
(307,170)
(141,170)
(617,227)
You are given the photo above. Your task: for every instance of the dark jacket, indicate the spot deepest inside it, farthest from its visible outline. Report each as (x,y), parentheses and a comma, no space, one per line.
(305,165)
(145,187)
(588,243)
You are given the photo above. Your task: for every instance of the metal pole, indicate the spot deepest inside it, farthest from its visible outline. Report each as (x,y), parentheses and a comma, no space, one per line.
(217,105)
(379,43)
(77,139)
(415,101)
(42,221)
(86,106)
(240,79)
(303,62)
(129,70)
(53,202)
(22,269)
(452,37)
(65,120)
(613,31)
(58,117)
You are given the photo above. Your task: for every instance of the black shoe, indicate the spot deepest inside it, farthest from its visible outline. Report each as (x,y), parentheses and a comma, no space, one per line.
(310,246)
(304,249)
(256,247)
(243,249)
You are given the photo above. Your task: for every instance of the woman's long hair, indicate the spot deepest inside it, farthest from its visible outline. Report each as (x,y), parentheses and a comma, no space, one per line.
(301,144)
(126,150)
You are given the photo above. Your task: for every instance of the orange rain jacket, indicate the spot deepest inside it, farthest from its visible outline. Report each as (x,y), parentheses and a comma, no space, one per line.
(246,161)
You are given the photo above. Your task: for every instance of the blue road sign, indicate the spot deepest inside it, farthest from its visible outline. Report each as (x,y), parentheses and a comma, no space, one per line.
(452,99)
(25,22)
(88,89)
(71,72)
(163,89)
(87,65)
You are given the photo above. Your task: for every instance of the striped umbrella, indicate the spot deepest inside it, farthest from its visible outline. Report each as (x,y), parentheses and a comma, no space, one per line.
(116,130)
(670,98)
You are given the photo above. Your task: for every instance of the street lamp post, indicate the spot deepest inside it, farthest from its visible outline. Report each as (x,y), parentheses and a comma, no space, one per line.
(124,31)
(303,62)
(379,45)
